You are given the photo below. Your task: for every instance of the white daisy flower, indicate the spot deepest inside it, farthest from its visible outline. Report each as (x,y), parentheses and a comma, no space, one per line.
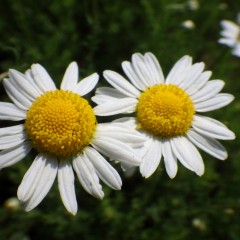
(62,127)
(167,111)
(230,35)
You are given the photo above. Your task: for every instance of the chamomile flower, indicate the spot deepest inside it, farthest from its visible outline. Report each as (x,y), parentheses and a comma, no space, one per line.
(230,35)
(167,111)
(61,125)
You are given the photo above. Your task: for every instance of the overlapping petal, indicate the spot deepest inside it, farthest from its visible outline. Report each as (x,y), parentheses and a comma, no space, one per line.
(121,84)
(41,78)
(187,154)
(14,154)
(9,111)
(87,84)
(211,128)
(116,150)
(104,170)
(207,144)
(87,176)
(37,181)
(124,105)
(105,94)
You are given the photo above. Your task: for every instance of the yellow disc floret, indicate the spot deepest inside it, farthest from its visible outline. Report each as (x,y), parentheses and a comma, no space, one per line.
(165,111)
(60,123)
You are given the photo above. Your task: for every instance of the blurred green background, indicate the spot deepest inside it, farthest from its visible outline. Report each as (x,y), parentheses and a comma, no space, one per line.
(99,35)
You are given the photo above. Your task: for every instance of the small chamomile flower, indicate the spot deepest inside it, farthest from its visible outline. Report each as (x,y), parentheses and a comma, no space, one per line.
(62,126)
(167,111)
(230,35)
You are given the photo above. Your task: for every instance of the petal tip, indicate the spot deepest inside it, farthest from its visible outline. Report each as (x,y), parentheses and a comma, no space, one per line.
(72,212)
(200,172)
(172,176)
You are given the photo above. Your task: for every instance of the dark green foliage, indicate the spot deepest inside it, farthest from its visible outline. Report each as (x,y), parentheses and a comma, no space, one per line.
(99,35)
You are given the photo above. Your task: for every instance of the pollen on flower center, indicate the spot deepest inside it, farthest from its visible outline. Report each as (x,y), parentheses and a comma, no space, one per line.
(165,111)
(60,123)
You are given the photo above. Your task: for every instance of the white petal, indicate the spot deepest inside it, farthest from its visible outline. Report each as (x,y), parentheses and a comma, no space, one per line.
(133,77)
(70,77)
(87,176)
(170,159)
(236,50)
(208,91)
(37,181)
(110,92)
(228,42)
(141,152)
(125,105)
(105,99)
(219,101)
(121,132)
(7,131)
(129,121)
(179,70)
(34,175)
(211,128)
(42,78)
(87,84)
(29,77)
(104,170)
(209,145)
(229,34)
(9,141)
(31,178)
(20,100)
(152,158)
(13,155)
(146,70)
(230,26)
(192,75)
(19,81)
(66,186)
(116,150)
(187,154)
(140,70)
(121,84)
(106,94)
(199,82)
(9,111)
(154,68)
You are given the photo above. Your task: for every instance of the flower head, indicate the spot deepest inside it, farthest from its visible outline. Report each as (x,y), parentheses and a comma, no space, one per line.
(167,111)
(230,35)
(62,126)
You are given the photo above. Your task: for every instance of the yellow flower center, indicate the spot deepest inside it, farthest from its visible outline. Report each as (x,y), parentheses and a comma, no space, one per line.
(60,123)
(165,111)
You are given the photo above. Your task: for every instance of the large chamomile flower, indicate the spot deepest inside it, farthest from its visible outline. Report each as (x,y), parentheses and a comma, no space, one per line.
(167,111)
(230,35)
(62,127)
